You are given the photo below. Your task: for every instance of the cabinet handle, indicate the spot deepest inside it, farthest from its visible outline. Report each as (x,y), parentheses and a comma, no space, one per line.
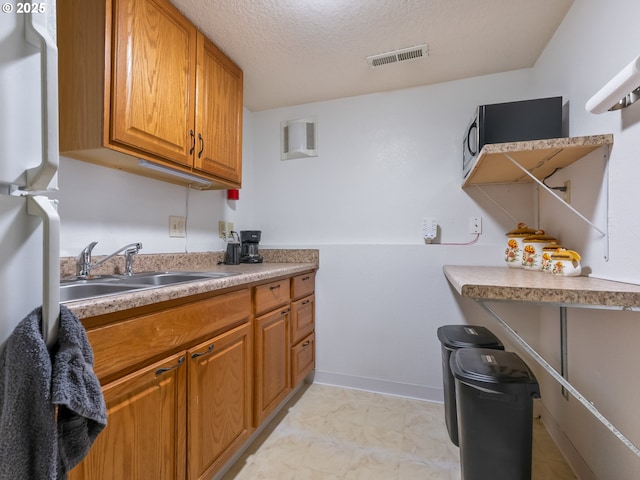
(284,312)
(201,145)
(193,142)
(305,278)
(274,287)
(209,350)
(160,371)
(305,302)
(306,344)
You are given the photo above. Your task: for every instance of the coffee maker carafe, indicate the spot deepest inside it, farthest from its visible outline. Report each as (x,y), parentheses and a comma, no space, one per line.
(249,246)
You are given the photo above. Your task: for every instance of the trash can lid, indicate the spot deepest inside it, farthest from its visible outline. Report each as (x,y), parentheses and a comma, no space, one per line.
(487,366)
(460,336)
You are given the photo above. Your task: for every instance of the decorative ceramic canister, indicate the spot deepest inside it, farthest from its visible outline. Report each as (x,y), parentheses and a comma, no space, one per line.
(513,253)
(546,265)
(565,262)
(532,249)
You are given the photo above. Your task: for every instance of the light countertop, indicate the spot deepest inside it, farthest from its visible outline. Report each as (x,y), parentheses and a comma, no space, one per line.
(276,265)
(515,284)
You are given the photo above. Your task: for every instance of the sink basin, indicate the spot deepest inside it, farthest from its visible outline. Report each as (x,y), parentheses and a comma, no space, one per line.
(169,278)
(84,288)
(77,291)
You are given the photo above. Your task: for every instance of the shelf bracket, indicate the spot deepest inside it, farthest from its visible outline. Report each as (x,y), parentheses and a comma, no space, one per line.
(560,377)
(582,217)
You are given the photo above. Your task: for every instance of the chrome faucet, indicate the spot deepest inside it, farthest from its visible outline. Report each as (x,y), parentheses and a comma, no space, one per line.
(83,262)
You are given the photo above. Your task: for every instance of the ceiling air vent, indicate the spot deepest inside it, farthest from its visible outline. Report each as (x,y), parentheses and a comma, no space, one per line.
(402,55)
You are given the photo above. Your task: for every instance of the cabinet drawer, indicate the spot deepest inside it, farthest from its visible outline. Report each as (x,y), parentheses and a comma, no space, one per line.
(303,359)
(272,295)
(302,318)
(121,345)
(303,285)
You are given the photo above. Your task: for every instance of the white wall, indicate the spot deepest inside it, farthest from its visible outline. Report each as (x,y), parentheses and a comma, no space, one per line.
(589,48)
(386,161)
(115,208)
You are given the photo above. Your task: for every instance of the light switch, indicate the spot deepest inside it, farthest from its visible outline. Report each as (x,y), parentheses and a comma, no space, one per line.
(177,226)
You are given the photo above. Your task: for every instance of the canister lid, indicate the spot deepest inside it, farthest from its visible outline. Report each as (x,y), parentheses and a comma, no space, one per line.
(564,254)
(521,230)
(461,336)
(485,366)
(539,237)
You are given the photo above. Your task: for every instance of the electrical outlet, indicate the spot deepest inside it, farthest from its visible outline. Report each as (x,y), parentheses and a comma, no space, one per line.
(229,227)
(475,224)
(429,228)
(222,229)
(567,192)
(177,226)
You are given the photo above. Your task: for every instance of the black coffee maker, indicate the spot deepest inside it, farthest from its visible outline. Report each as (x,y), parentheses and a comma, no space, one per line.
(249,246)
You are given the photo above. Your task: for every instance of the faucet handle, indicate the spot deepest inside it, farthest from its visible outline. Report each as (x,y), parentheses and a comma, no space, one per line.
(128,258)
(83,262)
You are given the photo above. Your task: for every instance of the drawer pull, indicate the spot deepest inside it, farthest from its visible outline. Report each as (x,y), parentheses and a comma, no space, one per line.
(274,287)
(160,371)
(209,350)
(305,302)
(306,344)
(284,312)
(305,278)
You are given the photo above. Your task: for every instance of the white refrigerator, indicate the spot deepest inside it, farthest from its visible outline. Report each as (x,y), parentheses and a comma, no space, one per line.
(29,222)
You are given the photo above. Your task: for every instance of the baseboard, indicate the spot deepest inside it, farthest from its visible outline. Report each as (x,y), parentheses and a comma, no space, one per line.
(386,387)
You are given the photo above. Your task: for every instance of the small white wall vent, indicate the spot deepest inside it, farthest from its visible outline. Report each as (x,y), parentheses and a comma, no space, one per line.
(402,55)
(299,138)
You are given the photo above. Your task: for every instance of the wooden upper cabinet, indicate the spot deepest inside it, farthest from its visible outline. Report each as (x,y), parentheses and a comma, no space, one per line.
(138,81)
(153,71)
(218,113)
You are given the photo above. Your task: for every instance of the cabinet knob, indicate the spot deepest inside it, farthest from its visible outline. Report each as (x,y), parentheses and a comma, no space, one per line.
(160,371)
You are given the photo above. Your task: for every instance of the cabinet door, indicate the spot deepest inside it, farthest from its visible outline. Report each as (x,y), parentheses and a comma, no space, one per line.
(145,435)
(153,86)
(218,113)
(272,362)
(303,359)
(302,318)
(219,403)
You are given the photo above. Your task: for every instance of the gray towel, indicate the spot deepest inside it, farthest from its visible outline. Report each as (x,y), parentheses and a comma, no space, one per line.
(28,444)
(82,413)
(32,445)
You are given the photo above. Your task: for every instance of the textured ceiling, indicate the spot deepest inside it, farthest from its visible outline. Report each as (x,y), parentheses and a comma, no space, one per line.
(300,51)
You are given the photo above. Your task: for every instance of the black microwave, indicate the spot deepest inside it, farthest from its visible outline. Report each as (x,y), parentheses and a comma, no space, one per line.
(510,122)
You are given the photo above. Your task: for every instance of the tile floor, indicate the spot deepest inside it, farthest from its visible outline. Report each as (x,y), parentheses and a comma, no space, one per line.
(331,433)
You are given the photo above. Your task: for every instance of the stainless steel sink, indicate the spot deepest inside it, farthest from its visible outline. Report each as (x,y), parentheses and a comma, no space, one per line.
(76,291)
(99,286)
(169,278)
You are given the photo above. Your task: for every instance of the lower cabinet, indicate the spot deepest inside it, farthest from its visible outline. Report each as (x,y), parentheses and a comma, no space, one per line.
(146,433)
(303,359)
(219,402)
(186,384)
(272,362)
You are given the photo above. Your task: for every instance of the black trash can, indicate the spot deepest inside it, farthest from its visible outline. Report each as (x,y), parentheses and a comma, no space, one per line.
(452,338)
(494,395)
